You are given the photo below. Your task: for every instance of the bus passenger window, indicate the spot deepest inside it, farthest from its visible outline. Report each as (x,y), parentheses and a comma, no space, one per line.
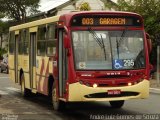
(51,47)
(41,48)
(41,42)
(26,42)
(42,33)
(20,43)
(51,39)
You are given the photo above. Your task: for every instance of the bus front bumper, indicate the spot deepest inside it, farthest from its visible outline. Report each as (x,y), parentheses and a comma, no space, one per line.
(79,92)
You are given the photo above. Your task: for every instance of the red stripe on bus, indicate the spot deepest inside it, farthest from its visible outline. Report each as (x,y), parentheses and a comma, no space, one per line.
(40,77)
(45,86)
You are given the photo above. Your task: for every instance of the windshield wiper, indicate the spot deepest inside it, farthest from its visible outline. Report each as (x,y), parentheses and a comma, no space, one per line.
(118,42)
(122,37)
(100,43)
(96,37)
(117,46)
(104,48)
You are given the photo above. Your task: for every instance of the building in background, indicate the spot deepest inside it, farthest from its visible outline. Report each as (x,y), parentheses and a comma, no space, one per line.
(68,6)
(74,5)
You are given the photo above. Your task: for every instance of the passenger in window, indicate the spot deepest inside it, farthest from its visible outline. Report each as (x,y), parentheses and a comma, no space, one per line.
(123,48)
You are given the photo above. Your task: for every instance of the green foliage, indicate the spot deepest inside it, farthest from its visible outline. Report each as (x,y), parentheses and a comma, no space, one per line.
(18,9)
(150,11)
(3,27)
(85,6)
(2,52)
(2,15)
(109,6)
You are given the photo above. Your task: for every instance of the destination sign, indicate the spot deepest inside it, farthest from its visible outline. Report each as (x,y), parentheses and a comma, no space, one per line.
(106,21)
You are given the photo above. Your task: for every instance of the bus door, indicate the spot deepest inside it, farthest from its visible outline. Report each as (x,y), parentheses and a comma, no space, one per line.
(16,56)
(32,60)
(62,64)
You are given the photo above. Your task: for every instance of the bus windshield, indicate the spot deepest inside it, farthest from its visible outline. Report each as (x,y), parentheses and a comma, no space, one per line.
(108,50)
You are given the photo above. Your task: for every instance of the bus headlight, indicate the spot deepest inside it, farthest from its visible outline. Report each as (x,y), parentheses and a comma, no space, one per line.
(95,85)
(129,84)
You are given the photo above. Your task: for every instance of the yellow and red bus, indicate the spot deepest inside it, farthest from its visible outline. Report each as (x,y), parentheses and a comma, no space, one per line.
(82,56)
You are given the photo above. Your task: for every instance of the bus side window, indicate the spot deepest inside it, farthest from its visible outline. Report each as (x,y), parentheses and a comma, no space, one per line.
(26,42)
(41,42)
(51,39)
(20,42)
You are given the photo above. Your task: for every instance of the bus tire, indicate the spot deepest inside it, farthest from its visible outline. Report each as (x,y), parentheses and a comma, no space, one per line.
(117,104)
(58,105)
(7,71)
(1,70)
(24,91)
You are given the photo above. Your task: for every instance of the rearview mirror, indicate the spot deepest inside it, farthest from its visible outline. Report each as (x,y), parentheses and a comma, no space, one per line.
(149,43)
(66,38)
(66,41)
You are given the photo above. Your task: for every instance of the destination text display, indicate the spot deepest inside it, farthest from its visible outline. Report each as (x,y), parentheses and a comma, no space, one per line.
(106,21)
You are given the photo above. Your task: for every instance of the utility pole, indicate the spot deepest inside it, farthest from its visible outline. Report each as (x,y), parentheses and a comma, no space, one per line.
(158,65)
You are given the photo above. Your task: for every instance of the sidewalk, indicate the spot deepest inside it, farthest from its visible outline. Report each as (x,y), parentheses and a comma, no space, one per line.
(154,87)
(153,84)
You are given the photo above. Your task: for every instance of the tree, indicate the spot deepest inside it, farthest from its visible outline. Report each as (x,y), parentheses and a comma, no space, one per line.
(18,9)
(85,6)
(150,11)
(1,15)
(2,52)
(3,30)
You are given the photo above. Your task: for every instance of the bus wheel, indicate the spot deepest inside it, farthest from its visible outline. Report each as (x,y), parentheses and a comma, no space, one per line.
(24,91)
(7,71)
(57,104)
(117,104)
(1,70)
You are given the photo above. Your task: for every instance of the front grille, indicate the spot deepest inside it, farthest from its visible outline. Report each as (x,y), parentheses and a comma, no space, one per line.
(108,85)
(105,95)
(114,76)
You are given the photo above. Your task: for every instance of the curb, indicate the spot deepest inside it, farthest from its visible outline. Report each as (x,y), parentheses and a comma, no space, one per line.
(154,90)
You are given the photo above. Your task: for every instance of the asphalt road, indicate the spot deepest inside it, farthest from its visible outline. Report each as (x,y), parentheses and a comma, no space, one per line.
(14,107)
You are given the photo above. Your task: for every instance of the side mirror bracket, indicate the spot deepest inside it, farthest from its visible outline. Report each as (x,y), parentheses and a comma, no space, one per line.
(66,38)
(149,43)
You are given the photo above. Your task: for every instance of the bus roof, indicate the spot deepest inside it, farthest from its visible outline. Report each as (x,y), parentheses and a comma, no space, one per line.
(35,23)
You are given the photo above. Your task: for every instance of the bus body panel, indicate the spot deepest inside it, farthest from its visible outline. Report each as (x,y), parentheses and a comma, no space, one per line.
(77,92)
(25,68)
(44,69)
(35,23)
(41,78)
(11,67)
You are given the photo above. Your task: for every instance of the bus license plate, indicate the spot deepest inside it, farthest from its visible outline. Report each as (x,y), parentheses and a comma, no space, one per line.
(114,92)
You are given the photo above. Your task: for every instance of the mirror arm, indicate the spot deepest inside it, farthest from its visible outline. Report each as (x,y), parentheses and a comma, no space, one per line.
(66,30)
